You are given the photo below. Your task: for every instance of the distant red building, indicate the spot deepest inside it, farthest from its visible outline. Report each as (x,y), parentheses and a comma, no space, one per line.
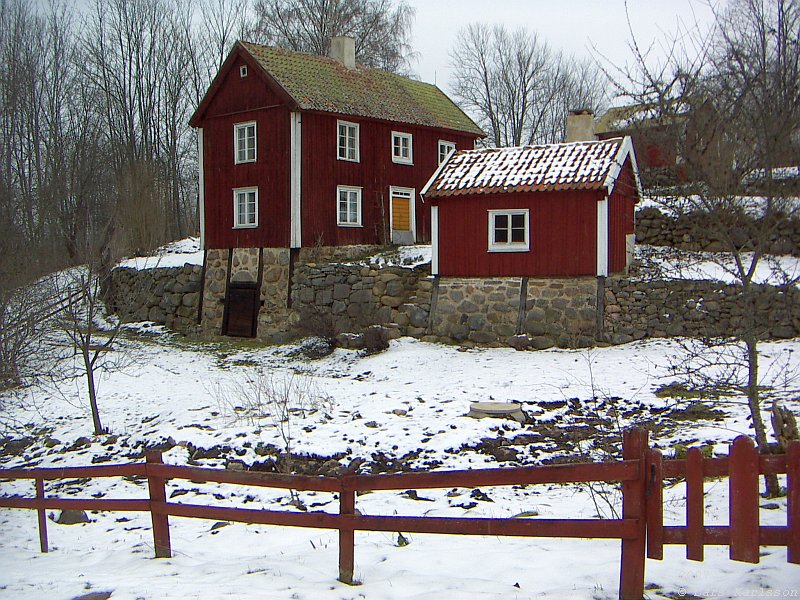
(298,150)
(549,210)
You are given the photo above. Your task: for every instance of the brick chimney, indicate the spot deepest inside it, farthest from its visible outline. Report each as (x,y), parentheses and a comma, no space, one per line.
(580,126)
(343,49)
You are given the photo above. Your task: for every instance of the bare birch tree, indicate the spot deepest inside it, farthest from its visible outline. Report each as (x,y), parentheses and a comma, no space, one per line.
(381,28)
(517,87)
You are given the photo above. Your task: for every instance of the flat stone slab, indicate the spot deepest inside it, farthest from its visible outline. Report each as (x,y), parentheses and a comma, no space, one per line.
(497,410)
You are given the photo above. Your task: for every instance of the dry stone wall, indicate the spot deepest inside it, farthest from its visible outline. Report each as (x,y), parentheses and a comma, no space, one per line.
(688,232)
(165,295)
(635,309)
(353,297)
(520,312)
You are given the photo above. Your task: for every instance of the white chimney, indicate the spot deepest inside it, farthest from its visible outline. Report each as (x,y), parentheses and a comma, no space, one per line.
(580,126)
(343,49)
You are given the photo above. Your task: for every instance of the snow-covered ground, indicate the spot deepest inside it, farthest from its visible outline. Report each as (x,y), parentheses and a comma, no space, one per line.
(410,403)
(175,254)
(673,263)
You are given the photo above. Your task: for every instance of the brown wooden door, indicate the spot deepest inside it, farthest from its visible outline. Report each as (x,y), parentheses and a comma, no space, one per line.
(241,311)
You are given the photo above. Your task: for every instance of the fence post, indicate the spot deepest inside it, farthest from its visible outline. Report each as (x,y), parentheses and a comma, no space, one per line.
(743,500)
(347,539)
(634,506)
(158,499)
(793,501)
(42,516)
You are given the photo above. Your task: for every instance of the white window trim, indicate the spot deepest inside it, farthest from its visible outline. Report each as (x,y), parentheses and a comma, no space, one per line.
(401,160)
(451,148)
(510,246)
(236,215)
(243,71)
(348,188)
(236,128)
(339,123)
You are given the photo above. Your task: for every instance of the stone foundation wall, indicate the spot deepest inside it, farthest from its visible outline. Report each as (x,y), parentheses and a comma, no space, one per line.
(168,296)
(561,312)
(214,290)
(482,311)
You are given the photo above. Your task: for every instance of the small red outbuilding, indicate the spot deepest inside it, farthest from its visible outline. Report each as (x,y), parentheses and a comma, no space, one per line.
(547,210)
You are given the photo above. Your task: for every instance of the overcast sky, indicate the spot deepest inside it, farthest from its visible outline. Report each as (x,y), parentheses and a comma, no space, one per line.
(574,26)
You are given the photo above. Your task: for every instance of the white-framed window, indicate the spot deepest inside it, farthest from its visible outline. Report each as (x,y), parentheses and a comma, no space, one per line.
(245,208)
(348,206)
(244,142)
(243,71)
(445,148)
(347,142)
(402,150)
(509,230)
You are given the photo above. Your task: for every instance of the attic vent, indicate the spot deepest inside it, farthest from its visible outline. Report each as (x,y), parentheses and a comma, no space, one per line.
(243,71)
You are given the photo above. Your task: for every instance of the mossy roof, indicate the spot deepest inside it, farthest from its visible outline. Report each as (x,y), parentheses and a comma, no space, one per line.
(323,84)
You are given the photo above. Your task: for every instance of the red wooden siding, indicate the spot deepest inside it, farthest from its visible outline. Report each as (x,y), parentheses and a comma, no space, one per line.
(621,208)
(563,236)
(239,100)
(375,172)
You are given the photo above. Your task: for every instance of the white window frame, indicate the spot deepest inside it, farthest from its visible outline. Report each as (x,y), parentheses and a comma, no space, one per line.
(351,192)
(342,151)
(237,151)
(509,246)
(445,148)
(399,157)
(240,220)
(243,71)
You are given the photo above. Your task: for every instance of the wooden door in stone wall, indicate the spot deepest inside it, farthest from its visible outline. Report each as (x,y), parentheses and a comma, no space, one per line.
(241,309)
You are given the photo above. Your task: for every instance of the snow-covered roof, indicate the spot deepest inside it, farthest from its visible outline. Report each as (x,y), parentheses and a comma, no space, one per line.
(574,165)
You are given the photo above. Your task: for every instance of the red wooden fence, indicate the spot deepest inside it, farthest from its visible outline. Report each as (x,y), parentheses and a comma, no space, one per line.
(641,529)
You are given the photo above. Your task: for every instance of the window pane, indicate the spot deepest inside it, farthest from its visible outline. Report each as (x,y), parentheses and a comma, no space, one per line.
(342,206)
(518,235)
(501,229)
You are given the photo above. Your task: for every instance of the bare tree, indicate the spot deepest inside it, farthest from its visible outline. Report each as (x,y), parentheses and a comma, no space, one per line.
(381,28)
(517,87)
(732,94)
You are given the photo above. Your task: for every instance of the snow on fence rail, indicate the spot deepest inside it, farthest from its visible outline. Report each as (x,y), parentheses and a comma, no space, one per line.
(641,529)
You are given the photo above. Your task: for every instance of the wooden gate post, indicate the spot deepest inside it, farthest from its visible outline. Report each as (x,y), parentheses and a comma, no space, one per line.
(634,506)
(347,539)
(42,516)
(158,500)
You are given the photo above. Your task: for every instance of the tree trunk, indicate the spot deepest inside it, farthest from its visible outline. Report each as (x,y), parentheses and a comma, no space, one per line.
(98,426)
(754,402)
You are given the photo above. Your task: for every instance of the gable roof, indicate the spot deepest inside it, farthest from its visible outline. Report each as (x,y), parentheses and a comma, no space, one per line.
(321,83)
(591,165)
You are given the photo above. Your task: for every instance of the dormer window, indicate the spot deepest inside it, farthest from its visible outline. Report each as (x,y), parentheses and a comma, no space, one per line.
(243,71)
(244,142)
(402,151)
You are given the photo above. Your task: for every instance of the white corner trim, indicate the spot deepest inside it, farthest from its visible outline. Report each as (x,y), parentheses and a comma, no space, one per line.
(296,157)
(434,240)
(625,151)
(602,237)
(201,188)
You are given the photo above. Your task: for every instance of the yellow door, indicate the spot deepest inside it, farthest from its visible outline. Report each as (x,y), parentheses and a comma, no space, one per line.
(401,213)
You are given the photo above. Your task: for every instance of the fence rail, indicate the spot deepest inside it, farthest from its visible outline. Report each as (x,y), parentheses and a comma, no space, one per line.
(641,529)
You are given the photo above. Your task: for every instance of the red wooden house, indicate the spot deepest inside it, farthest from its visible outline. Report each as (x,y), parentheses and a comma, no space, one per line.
(550,210)
(299,150)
